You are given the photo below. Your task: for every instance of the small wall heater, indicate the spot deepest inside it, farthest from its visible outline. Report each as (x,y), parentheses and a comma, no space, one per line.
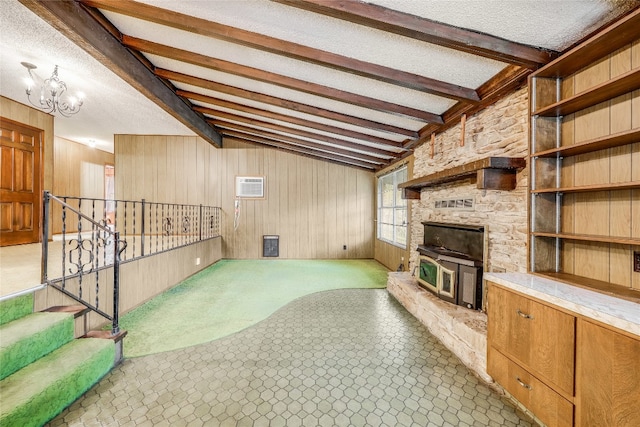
(270,246)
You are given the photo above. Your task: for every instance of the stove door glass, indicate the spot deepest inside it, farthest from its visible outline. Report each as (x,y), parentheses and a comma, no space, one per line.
(447,282)
(428,276)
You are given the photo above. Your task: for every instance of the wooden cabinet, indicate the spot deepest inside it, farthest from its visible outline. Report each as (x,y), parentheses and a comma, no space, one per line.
(531,354)
(584,152)
(607,377)
(531,349)
(537,337)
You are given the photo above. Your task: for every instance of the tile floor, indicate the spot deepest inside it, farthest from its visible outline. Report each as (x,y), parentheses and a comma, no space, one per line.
(335,358)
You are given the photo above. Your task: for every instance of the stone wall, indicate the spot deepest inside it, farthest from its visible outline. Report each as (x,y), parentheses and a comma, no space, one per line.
(499,130)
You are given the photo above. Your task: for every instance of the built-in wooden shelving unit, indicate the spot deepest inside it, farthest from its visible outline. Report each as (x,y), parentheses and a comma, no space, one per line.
(491,173)
(595,187)
(595,95)
(609,141)
(584,190)
(589,238)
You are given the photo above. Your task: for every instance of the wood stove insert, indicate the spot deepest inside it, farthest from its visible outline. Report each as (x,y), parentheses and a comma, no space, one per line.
(451,263)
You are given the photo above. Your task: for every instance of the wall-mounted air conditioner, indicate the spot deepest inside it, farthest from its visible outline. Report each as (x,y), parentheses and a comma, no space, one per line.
(250,187)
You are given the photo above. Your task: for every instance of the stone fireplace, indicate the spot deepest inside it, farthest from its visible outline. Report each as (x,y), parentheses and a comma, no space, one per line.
(499,130)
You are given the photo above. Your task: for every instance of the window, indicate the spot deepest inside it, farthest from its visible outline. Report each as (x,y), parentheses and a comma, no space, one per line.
(392,208)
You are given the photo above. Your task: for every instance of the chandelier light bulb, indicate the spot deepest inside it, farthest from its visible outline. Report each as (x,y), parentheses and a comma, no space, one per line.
(30,83)
(53,97)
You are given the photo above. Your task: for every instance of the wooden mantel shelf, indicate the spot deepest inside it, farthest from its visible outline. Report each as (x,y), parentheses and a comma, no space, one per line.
(492,173)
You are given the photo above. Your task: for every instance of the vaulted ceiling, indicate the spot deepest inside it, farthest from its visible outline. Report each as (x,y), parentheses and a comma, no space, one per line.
(361,84)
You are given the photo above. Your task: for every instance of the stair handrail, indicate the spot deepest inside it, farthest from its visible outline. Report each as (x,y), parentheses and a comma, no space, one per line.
(120,246)
(150,228)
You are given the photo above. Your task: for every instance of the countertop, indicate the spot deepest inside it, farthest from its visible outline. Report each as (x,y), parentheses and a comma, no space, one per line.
(619,313)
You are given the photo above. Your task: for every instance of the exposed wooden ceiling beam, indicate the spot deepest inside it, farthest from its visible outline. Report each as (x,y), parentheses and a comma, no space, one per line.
(286,48)
(288,119)
(284,103)
(497,87)
(74,22)
(272,78)
(228,130)
(428,31)
(222,116)
(299,151)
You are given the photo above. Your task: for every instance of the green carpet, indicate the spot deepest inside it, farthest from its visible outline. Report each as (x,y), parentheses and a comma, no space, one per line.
(15,308)
(31,337)
(41,390)
(234,294)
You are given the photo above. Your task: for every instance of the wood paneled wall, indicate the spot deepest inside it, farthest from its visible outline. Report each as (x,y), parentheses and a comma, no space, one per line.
(79,169)
(79,173)
(315,207)
(611,214)
(139,280)
(391,256)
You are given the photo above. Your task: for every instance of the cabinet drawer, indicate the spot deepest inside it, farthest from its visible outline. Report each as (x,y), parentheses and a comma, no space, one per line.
(550,407)
(536,336)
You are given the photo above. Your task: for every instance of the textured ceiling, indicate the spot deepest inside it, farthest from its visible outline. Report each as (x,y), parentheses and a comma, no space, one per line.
(339,80)
(111,107)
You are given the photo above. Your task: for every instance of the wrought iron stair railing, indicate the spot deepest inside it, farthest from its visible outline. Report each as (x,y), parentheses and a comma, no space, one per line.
(93,237)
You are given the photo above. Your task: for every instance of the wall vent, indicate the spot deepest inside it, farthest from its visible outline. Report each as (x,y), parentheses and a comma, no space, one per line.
(463,203)
(250,187)
(270,246)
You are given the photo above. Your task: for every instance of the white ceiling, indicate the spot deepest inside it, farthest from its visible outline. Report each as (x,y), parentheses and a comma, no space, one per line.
(112,106)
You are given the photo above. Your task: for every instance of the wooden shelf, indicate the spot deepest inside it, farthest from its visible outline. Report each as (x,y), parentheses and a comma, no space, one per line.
(590,238)
(633,185)
(622,33)
(598,254)
(620,85)
(592,284)
(492,173)
(610,141)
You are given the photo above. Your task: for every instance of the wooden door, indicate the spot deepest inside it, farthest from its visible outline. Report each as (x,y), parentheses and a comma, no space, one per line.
(20,183)
(607,377)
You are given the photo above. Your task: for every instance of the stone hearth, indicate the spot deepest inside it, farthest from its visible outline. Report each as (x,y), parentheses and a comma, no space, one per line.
(461,330)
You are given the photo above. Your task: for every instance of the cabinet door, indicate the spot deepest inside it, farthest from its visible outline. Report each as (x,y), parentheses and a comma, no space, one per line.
(536,336)
(607,377)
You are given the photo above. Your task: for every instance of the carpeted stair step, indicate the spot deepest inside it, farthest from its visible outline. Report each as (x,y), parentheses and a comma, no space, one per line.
(15,308)
(77,310)
(116,338)
(27,339)
(38,392)
(106,335)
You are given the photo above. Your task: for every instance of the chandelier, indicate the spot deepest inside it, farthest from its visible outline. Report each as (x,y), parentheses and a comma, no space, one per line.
(51,95)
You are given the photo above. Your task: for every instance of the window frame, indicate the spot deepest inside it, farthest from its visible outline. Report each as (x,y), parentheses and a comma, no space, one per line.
(399,204)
